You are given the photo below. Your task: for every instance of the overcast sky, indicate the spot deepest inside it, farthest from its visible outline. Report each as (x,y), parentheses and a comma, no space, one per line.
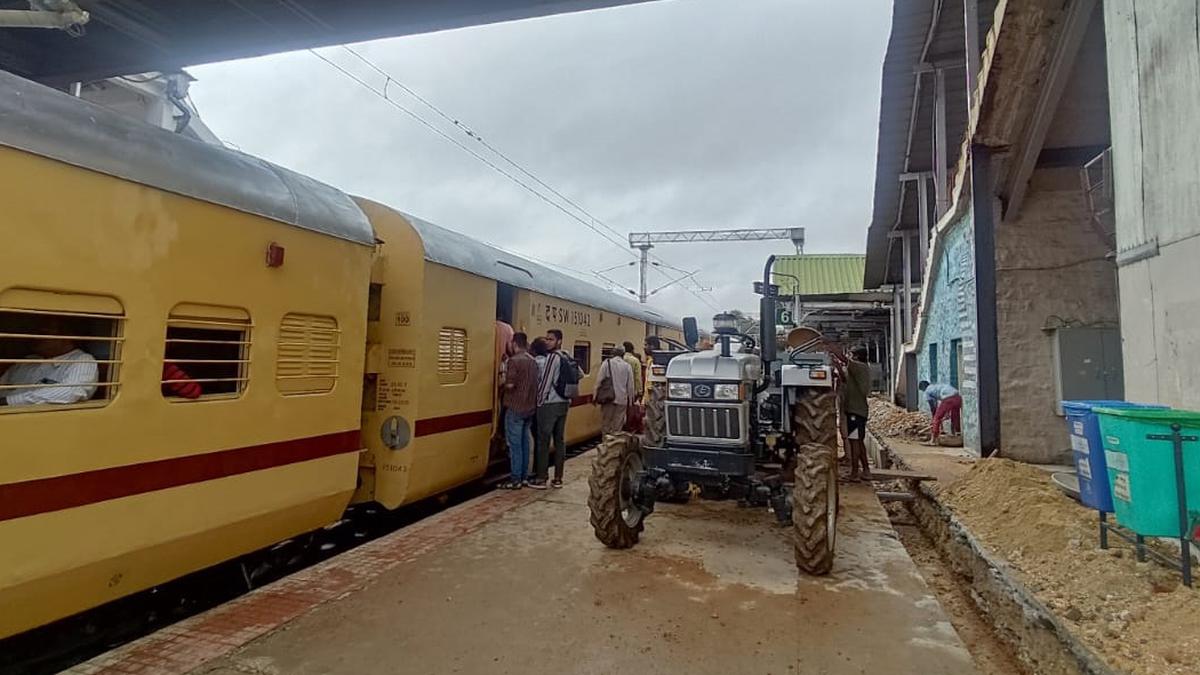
(668,115)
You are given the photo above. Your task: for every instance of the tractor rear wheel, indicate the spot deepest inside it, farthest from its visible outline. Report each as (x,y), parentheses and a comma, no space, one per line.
(654,428)
(814,508)
(814,417)
(616,517)
(815,491)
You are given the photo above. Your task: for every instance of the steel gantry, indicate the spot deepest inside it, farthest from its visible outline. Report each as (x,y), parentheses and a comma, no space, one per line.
(644,241)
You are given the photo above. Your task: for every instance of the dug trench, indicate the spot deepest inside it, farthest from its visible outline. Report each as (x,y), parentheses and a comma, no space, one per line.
(991,653)
(1012,620)
(1024,560)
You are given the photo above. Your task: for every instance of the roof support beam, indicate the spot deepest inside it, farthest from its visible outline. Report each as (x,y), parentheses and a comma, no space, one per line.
(907,286)
(987,350)
(922,179)
(971,41)
(1075,25)
(941,184)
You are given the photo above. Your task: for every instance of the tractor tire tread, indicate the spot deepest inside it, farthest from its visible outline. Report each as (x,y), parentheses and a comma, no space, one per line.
(604,485)
(814,543)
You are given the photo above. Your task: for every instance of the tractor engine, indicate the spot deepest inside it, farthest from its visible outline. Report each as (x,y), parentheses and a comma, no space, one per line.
(709,415)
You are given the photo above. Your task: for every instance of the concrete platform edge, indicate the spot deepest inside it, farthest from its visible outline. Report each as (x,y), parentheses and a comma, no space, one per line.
(1039,630)
(198,640)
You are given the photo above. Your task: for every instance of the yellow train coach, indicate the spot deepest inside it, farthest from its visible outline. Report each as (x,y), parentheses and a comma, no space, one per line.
(202,354)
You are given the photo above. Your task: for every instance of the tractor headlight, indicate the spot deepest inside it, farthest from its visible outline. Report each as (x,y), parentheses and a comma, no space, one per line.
(727,392)
(680,390)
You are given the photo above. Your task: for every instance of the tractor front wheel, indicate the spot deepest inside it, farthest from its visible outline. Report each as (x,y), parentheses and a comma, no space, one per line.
(654,424)
(616,514)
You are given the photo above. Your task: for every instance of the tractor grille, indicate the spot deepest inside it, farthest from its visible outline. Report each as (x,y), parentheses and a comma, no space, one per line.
(705,421)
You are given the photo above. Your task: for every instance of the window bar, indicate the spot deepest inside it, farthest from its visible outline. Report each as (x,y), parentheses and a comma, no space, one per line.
(63,314)
(77,338)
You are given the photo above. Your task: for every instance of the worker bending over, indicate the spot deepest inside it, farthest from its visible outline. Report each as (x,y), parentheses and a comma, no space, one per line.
(943,400)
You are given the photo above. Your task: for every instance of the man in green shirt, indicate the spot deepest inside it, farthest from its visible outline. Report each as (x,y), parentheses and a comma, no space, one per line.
(856,386)
(635,363)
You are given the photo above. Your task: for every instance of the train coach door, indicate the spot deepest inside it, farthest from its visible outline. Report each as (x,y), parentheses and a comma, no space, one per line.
(506,303)
(506,306)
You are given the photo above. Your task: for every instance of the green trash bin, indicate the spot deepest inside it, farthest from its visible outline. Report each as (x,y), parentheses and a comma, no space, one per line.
(1141,472)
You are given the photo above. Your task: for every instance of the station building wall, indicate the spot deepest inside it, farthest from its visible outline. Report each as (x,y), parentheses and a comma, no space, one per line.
(1154,83)
(1051,273)
(947,343)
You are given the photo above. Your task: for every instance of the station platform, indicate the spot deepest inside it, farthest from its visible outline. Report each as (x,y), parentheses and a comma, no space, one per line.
(514,582)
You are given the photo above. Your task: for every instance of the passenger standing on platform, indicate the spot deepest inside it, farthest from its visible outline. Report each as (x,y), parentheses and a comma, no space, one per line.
(520,403)
(552,410)
(944,400)
(614,391)
(635,364)
(561,405)
(651,345)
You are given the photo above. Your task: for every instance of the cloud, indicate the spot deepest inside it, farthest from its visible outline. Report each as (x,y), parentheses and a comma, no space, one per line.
(676,114)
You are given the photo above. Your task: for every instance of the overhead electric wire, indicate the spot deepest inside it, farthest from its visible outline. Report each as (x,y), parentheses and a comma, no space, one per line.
(478,137)
(499,153)
(463,147)
(591,221)
(317,22)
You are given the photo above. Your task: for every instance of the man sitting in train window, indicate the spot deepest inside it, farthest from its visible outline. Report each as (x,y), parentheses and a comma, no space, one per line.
(57,372)
(176,382)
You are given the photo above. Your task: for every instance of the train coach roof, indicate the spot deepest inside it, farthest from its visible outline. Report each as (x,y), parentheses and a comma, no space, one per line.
(459,251)
(46,122)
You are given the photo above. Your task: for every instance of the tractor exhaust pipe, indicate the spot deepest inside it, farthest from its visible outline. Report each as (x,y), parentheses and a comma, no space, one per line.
(766,318)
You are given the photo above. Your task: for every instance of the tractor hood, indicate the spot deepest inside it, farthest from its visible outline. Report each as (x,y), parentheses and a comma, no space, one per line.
(710,365)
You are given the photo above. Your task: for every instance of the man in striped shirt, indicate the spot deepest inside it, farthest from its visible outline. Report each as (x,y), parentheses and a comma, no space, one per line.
(59,372)
(552,409)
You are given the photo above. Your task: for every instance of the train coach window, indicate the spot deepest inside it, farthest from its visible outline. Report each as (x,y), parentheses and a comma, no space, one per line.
(58,350)
(452,356)
(309,346)
(606,350)
(583,356)
(207,352)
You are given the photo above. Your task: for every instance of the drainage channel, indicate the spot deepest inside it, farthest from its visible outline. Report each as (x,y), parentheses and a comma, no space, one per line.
(992,655)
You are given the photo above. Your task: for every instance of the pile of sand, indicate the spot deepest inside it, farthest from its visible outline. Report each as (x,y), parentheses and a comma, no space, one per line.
(1138,616)
(895,422)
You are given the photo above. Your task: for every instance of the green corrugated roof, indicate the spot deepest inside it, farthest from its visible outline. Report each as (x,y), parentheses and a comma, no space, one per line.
(821,273)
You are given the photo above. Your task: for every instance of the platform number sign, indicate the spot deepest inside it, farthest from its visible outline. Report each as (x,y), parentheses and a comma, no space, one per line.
(783,317)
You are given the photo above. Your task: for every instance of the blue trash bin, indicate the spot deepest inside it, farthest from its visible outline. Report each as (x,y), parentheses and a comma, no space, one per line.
(1088,449)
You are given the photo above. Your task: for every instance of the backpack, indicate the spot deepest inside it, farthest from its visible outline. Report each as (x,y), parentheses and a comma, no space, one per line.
(569,375)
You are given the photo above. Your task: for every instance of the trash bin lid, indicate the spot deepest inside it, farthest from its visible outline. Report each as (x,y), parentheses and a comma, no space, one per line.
(1085,405)
(1185,418)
